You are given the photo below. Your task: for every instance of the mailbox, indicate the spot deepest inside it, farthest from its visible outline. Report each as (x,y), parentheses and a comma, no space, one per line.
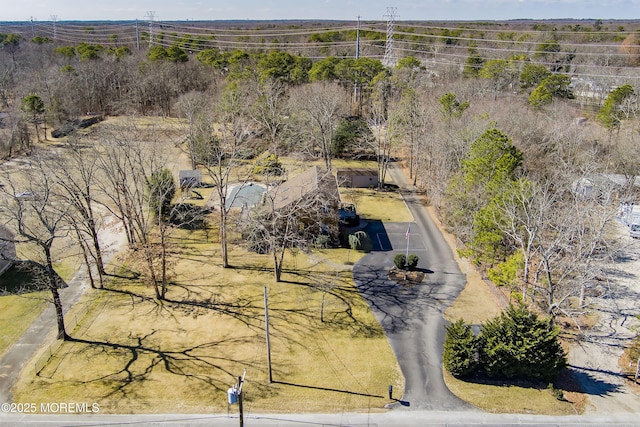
(232,396)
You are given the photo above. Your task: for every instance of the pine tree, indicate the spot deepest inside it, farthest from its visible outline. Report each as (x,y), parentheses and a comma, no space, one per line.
(460,350)
(517,344)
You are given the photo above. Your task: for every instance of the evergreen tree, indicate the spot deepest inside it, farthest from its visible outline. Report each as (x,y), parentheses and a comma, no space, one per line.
(162,188)
(460,349)
(610,114)
(517,344)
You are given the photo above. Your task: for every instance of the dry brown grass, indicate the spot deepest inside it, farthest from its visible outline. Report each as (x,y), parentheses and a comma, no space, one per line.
(134,354)
(380,205)
(476,303)
(509,398)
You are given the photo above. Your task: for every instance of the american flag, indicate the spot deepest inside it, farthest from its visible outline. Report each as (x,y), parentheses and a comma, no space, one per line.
(406,236)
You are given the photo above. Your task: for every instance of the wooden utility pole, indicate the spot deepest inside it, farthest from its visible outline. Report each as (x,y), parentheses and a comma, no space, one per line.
(266,328)
(240,399)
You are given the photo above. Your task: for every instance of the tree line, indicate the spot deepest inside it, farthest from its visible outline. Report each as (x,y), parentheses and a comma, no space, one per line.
(496,147)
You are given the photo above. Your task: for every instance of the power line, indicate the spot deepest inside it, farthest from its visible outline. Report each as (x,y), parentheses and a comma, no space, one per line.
(596,59)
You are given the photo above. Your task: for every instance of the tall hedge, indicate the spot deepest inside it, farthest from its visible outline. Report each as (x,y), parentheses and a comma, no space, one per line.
(517,344)
(514,345)
(460,350)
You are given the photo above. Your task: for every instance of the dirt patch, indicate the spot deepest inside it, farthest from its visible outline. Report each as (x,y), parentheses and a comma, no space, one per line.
(406,278)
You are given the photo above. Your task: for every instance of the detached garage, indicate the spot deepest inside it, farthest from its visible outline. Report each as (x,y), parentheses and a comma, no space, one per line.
(357,177)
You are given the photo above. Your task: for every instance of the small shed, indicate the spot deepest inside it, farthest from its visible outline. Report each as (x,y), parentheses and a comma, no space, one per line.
(7,249)
(190,178)
(357,177)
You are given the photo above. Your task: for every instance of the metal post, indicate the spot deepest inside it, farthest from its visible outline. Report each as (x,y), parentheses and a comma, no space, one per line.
(240,411)
(266,323)
(137,35)
(355,84)
(406,259)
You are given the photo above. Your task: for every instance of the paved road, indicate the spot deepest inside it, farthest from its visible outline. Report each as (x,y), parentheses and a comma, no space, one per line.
(412,316)
(389,419)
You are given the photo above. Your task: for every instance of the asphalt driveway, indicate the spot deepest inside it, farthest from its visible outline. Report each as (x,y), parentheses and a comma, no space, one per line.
(411,316)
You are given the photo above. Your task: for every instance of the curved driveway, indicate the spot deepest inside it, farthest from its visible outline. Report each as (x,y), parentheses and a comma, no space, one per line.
(412,316)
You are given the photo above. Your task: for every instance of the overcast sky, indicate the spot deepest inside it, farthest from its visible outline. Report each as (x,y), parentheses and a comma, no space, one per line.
(167,10)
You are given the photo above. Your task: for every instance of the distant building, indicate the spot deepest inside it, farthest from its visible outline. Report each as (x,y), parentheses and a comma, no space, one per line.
(357,177)
(7,249)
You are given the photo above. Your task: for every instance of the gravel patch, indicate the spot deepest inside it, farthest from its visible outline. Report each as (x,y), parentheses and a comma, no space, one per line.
(594,359)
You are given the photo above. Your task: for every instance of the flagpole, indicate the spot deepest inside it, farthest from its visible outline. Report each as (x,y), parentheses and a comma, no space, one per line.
(406,259)
(408,236)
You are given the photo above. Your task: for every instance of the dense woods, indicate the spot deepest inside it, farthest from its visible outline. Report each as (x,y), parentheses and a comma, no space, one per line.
(524,135)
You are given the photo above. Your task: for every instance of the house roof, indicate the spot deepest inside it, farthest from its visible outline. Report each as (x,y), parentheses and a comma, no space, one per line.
(357,172)
(309,182)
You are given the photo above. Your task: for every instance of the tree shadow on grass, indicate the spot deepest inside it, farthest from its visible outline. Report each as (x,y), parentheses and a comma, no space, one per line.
(572,379)
(198,362)
(354,393)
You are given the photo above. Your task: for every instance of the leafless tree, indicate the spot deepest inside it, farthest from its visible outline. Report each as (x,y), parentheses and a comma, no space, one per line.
(318,107)
(36,215)
(290,219)
(270,110)
(412,123)
(127,160)
(523,213)
(193,107)
(75,171)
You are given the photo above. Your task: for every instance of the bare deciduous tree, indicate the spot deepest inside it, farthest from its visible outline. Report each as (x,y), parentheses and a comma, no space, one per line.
(127,160)
(75,171)
(219,153)
(270,110)
(318,106)
(34,212)
(293,215)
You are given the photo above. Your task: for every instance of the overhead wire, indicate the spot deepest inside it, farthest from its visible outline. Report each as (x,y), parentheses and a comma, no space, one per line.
(446,48)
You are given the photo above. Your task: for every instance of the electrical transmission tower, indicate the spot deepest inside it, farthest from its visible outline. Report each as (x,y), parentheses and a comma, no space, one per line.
(54,19)
(389,59)
(358,39)
(151,15)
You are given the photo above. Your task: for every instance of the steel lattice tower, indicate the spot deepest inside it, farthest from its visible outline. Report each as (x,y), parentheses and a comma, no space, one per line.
(151,15)
(389,59)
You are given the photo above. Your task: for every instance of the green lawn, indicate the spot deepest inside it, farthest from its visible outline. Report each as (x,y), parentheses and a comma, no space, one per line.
(17,312)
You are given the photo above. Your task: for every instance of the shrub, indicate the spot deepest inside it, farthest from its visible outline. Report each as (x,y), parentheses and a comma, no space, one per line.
(256,239)
(555,392)
(400,261)
(323,241)
(517,344)
(269,165)
(506,273)
(360,241)
(460,356)
(412,261)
